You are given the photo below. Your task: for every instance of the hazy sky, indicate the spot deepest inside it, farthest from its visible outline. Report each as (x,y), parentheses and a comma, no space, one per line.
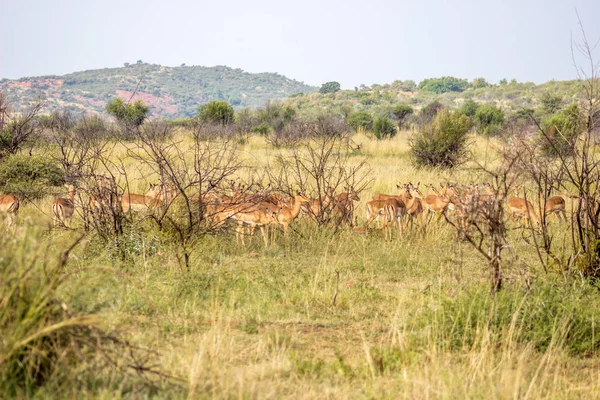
(353,42)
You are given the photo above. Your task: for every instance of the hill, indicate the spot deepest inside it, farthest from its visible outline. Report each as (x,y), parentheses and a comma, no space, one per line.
(380,99)
(171,92)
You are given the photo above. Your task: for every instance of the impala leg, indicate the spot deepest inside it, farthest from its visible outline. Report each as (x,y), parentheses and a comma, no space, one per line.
(264,232)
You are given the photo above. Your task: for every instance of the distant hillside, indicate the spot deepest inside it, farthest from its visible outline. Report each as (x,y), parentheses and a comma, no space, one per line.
(171,92)
(380,99)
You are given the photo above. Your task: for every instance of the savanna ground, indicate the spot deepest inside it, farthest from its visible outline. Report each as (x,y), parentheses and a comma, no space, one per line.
(412,318)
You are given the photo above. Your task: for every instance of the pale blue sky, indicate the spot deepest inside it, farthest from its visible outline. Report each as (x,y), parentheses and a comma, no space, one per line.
(353,42)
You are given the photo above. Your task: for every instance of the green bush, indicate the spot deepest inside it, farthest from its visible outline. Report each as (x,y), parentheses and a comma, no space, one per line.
(384,128)
(560,131)
(262,129)
(132,115)
(443,143)
(488,119)
(216,112)
(329,87)
(30,177)
(469,108)
(479,83)
(360,119)
(551,102)
(443,85)
(560,315)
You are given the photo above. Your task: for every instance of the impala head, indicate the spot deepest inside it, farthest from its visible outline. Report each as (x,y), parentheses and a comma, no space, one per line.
(415,190)
(302,197)
(433,189)
(353,194)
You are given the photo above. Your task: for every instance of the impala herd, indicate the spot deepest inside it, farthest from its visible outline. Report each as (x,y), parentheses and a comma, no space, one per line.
(265,207)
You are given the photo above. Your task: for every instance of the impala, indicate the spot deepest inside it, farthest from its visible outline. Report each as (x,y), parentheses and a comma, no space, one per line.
(287,214)
(63,208)
(414,205)
(254,215)
(343,205)
(555,205)
(392,210)
(316,207)
(163,192)
(9,205)
(138,202)
(519,207)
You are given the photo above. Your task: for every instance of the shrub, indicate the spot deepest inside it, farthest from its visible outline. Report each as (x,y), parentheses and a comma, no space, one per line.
(360,119)
(551,102)
(444,84)
(469,108)
(430,111)
(443,143)
(488,119)
(560,131)
(131,115)
(30,177)
(216,112)
(262,129)
(384,128)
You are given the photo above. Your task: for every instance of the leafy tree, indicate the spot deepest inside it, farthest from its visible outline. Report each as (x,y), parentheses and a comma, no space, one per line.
(383,128)
(444,84)
(503,82)
(444,142)
(469,108)
(360,119)
(479,83)
(488,119)
(131,115)
(404,86)
(329,87)
(216,112)
(401,111)
(560,131)
(551,102)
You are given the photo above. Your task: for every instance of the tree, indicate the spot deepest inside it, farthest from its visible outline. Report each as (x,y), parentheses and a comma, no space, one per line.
(216,112)
(360,120)
(126,64)
(479,83)
(444,84)
(551,102)
(404,86)
(329,87)
(488,119)
(384,128)
(130,115)
(401,111)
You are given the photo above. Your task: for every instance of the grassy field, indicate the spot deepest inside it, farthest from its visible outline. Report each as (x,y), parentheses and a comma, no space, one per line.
(412,318)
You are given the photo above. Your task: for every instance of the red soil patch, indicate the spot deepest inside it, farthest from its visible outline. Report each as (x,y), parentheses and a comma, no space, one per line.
(161,103)
(53,83)
(22,85)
